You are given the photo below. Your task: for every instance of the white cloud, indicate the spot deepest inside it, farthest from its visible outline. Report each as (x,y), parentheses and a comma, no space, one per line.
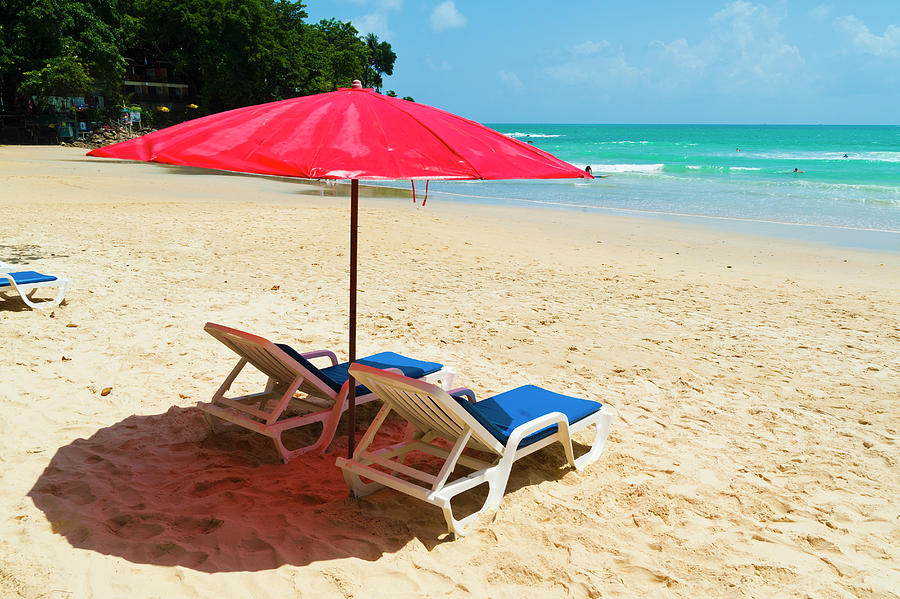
(379,4)
(446,16)
(588,48)
(684,57)
(822,12)
(511,80)
(375,23)
(863,40)
(595,63)
(746,49)
(444,65)
(743,52)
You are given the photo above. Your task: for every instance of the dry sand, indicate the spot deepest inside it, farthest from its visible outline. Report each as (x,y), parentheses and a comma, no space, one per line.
(756,381)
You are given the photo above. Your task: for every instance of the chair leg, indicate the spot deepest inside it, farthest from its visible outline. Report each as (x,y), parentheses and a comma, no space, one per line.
(288,454)
(358,488)
(497,476)
(215,426)
(60,293)
(26,297)
(330,424)
(604,419)
(496,487)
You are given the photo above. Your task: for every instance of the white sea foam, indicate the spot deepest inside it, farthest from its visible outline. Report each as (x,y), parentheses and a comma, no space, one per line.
(745,168)
(860,156)
(519,134)
(628,168)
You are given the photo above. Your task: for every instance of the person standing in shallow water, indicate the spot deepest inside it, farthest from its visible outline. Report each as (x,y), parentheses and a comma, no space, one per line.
(587,169)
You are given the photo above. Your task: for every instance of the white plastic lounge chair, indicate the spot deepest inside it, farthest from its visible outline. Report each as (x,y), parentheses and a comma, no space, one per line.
(509,426)
(322,392)
(27,282)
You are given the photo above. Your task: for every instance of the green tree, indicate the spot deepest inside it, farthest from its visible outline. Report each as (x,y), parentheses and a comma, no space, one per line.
(62,76)
(225,48)
(231,52)
(379,61)
(240,52)
(35,32)
(334,55)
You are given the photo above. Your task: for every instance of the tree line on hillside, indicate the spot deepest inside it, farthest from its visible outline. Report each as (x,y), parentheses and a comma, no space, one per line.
(231,52)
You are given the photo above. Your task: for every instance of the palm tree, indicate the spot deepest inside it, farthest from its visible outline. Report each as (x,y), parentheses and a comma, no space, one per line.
(379,60)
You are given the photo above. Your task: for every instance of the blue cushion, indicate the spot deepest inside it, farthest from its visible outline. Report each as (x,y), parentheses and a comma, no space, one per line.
(501,414)
(304,362)
(26,277)
(336,376)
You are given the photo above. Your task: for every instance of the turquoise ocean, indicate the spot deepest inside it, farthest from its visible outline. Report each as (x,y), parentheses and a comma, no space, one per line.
(730,177)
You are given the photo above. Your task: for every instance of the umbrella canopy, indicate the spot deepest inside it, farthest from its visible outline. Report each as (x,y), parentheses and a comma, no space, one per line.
(353,133)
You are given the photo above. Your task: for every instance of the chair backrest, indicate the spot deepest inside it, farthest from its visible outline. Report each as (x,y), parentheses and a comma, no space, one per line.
(269,359)
(426,406)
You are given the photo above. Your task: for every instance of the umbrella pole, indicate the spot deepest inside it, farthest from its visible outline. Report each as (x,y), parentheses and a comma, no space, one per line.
(351,394)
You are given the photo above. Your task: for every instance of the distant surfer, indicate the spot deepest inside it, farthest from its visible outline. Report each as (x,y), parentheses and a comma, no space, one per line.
(845,156)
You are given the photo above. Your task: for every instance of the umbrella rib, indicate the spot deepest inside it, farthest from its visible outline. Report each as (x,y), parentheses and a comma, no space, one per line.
(315,156)
(436,136)
(384,135)
(302,171)
(537,152)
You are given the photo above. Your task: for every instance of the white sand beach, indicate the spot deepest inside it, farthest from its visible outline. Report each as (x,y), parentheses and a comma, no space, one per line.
(756,382)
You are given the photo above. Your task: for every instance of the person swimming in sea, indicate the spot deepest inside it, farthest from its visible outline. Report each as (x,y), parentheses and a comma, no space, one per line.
(796,170)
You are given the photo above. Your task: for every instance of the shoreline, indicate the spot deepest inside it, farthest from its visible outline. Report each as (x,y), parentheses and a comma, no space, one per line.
(841,236)
(755,382)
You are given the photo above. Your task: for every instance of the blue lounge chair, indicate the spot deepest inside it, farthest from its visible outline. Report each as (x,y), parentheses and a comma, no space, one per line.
(27,282)
(312,394)
(508,426)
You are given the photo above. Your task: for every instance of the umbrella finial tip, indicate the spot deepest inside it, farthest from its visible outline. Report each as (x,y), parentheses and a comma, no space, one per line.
(357,84)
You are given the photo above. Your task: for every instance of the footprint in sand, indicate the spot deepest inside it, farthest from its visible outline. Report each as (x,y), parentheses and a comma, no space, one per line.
(219,485)
(133,527)
(77,492)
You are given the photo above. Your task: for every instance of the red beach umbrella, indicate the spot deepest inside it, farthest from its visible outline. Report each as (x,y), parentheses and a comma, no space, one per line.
(353,133)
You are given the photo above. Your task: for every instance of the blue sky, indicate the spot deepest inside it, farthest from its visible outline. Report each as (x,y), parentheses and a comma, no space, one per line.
(640,62)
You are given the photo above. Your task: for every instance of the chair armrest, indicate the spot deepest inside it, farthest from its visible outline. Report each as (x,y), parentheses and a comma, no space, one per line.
(523,430)
(321,353)
(465,392)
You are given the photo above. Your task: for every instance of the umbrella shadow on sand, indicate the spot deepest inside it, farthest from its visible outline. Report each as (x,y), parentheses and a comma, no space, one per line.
(159,489)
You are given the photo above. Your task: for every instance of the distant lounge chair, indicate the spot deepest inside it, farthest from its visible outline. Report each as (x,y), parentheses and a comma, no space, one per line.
(509,426)
(27,282)
(323,391)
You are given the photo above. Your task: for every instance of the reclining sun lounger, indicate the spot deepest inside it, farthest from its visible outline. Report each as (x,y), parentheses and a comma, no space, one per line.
(27,282)
(319,395)
(509,426)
